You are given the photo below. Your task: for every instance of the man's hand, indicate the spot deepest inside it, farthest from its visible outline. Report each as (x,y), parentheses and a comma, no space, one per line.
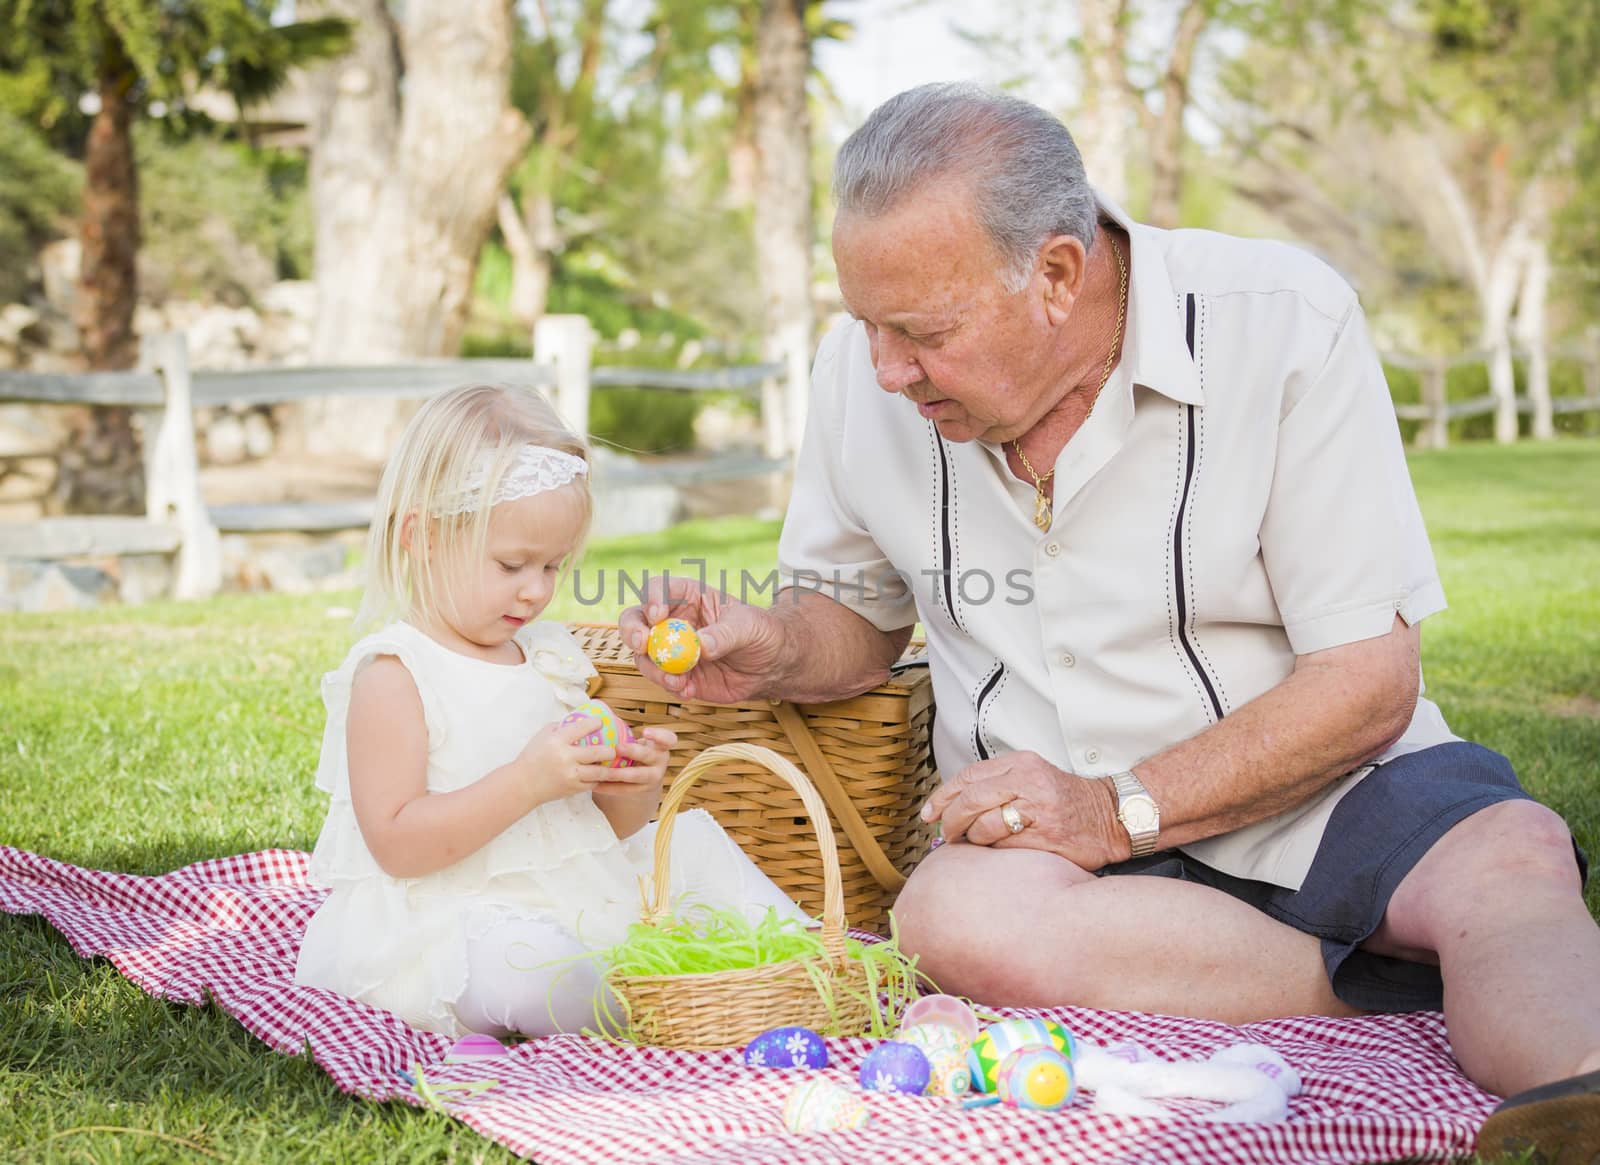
(1060,811)
(740,645)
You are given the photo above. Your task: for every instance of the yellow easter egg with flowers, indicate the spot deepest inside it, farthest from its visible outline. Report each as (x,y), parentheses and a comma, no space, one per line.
(674,646)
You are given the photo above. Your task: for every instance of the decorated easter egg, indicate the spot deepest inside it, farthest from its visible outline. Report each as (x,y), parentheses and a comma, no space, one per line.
(819,1104)
(613,729)
(787,1047)
(673,646)
(998,1039)
(1035,1077)
(895,1067)
(948,1074)
(944,1011)
(932,1037)
(472,1048)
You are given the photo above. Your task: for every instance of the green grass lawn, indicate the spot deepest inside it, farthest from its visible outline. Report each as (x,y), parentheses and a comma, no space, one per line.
(139,739)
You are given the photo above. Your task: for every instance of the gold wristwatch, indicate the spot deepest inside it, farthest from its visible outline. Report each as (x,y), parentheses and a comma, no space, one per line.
(1138,812)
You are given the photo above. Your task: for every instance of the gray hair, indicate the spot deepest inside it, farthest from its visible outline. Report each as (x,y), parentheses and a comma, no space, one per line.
(1021,164)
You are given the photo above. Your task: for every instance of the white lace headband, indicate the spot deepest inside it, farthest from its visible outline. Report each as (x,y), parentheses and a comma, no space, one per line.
(533,470)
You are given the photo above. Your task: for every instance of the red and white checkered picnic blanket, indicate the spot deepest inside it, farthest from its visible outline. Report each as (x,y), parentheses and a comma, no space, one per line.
(1380,1088)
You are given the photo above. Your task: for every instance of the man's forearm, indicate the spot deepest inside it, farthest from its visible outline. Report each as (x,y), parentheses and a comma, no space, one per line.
(1290,743)
(829,652)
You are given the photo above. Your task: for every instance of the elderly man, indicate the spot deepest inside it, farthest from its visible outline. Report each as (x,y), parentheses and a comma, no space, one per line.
(1145,494)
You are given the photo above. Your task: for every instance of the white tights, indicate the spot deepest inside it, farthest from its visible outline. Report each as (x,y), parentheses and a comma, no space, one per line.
(529,975)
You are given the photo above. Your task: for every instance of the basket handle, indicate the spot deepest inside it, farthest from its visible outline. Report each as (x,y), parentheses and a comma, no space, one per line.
(778,766)
(833,792)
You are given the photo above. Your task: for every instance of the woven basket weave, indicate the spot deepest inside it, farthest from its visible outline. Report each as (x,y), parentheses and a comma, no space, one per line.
(721,1009)
(869,756)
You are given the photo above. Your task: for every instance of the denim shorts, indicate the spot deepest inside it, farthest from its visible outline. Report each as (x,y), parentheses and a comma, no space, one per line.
(1378,832)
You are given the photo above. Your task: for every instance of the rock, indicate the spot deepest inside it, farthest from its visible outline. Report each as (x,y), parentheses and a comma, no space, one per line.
(296,298)
(288,564)
(26,430)
(259,436)
(224,437)
(720,426)
(624,503)
(59,264)
(19,323)
(42,587)
(143,578)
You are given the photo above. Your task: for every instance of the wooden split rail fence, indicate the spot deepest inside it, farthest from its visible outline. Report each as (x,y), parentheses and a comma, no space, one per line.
(178,522)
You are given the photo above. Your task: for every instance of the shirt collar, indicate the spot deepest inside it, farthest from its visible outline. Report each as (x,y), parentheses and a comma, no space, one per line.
(1155,349)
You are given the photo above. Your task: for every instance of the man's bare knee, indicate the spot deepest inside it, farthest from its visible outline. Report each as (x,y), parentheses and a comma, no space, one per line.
(1497,859)
(1519,845)
(955,913)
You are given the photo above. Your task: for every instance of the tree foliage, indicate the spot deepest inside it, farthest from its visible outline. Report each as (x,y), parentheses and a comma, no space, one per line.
(36,182)
(219,218)
(52,52)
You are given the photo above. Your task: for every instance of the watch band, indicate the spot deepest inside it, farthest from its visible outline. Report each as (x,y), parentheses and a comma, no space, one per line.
(1142,841)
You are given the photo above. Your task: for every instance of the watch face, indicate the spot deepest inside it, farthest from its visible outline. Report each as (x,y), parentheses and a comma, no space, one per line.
(1139,815)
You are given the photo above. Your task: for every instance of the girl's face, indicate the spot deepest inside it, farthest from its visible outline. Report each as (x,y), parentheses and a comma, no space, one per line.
(485,600)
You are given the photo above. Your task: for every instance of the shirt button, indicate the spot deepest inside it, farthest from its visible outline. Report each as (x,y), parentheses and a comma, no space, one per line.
(1068,659)
(1052,548)
(1092,755)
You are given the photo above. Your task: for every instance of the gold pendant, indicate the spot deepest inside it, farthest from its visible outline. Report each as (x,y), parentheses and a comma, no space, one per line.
(1041,511)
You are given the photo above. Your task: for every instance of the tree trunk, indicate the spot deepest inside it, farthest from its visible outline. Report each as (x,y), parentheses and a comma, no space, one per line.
(405,191)
(459,139)
(1104,121)
(783,220)
(357,126)
(531,236)
(1496,339)
(102,469)
(532,241)
(1493,266)
(1531,330)
(1166,142)
(1505,273)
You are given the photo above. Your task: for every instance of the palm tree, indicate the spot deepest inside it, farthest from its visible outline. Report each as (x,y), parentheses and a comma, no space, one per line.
(124,60)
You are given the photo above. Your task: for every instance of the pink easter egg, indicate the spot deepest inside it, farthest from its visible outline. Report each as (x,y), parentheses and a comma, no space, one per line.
(613,729)
(474,1047)
(944,1011)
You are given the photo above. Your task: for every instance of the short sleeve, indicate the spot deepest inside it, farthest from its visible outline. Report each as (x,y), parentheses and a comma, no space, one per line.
(333,765)
(1342,538)
(823,536)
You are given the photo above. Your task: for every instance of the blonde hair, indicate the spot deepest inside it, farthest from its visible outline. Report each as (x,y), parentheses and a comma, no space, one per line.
(440,451)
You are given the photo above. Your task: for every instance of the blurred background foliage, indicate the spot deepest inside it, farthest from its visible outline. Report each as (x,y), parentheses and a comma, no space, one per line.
(220,218)
(38,187)
(634,202)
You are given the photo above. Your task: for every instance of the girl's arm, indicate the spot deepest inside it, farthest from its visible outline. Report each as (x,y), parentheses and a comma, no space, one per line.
(412,832)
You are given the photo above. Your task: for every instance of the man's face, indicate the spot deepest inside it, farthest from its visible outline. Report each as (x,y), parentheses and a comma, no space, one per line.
(945,333)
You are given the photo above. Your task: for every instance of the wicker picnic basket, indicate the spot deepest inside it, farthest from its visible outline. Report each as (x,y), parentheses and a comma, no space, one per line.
(870,757)
(721,1009)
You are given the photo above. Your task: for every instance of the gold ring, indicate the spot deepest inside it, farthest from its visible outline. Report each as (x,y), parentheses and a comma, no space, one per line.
(1013,819)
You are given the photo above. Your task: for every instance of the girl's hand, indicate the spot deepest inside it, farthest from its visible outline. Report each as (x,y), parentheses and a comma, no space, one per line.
(649,753)
(555,765)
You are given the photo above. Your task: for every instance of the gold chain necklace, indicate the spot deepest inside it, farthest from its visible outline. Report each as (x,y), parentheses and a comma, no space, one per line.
(1041,501)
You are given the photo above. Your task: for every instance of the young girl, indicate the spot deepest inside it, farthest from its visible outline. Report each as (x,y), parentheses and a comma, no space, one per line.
(475,849)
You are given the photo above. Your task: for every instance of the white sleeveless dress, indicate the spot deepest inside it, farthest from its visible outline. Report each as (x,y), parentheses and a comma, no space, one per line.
(402,943)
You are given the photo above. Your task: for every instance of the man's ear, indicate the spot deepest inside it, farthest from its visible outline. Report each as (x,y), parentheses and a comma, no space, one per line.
(1064,265)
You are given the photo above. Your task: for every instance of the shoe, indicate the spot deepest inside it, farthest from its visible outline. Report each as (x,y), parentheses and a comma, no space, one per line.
(1559,1123)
